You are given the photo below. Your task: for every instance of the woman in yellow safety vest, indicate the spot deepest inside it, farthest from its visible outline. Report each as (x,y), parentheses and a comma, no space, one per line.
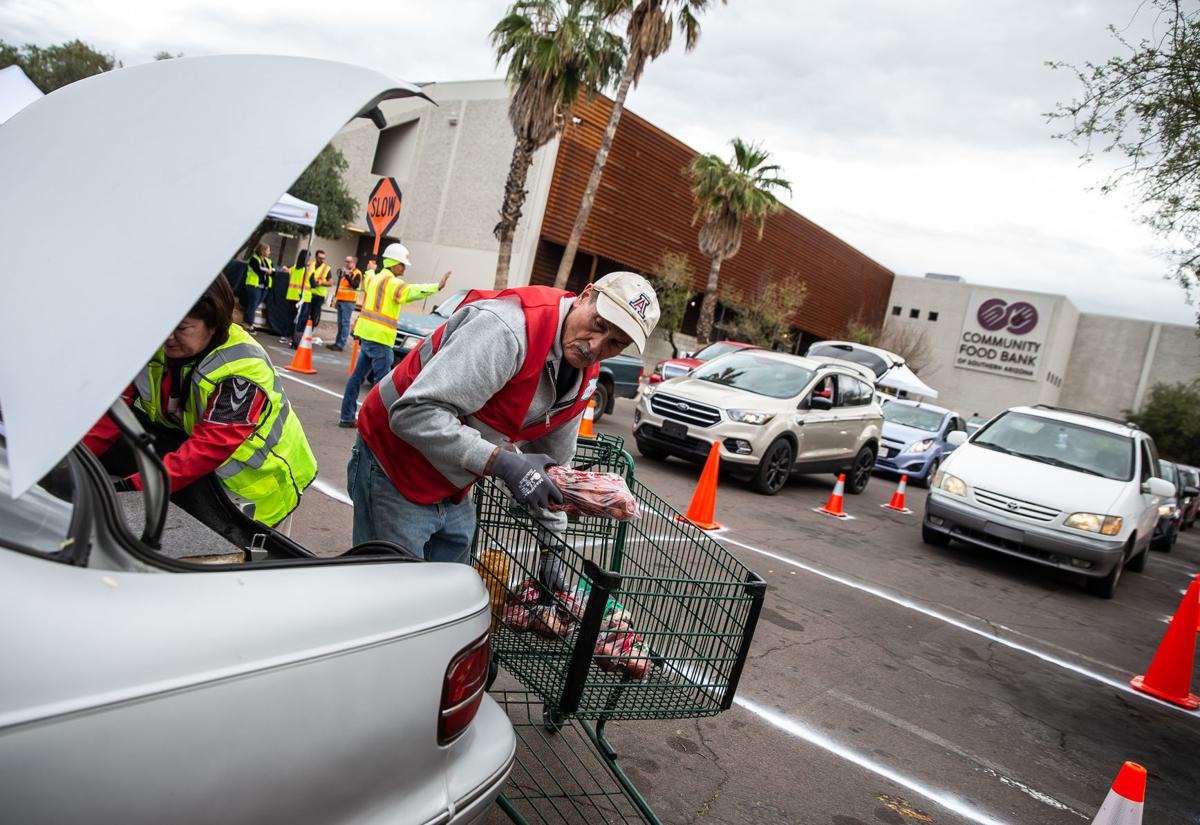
(295,286)
(212,400)
(312,296)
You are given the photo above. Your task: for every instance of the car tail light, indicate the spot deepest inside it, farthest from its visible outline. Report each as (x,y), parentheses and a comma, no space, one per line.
(462,689)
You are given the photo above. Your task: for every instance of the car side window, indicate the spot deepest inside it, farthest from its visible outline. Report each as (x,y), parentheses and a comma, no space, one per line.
(852,392)
(1148,463)
(824,389)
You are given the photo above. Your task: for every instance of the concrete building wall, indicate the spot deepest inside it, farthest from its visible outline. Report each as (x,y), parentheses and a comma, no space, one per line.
(967,390)
(1117,361)
(451,162)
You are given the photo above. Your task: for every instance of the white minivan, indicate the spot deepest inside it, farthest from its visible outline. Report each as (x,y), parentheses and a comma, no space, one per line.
(1062,488)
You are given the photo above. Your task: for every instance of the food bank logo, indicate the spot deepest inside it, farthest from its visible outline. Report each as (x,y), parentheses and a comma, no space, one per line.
(996,314)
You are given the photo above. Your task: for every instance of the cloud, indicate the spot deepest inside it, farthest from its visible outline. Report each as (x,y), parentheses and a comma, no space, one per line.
(916,131)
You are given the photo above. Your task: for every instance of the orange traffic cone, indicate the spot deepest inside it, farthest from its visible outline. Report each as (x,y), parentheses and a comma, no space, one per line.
(833,507)
(585,423)
(897,502)
(302,360)
(353,358)
(1123,805)
(1169,676)
(704,500)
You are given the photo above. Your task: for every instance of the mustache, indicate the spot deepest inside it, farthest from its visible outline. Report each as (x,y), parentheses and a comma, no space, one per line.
(584,352)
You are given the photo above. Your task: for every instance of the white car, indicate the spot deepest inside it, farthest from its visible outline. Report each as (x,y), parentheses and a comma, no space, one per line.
(159,667)
(1061,488)
(771,413)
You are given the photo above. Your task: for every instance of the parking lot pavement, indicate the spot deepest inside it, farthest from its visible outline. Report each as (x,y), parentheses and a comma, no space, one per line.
(889,681)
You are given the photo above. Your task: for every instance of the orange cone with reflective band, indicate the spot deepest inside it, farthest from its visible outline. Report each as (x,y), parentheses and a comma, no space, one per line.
(353,358)
(1123,805)
(302,360)
(897,502)
(1169,676)
(833,507)
(704,500)
(585,423)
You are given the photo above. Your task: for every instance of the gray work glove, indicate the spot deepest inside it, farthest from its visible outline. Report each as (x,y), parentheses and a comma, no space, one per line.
(526,478)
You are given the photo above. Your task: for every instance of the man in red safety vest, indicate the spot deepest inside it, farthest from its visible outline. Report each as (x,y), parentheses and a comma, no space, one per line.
(497,390)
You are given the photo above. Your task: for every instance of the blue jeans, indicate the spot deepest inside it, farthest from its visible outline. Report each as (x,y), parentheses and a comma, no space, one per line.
(374,360)
(254,296)
(436,532)
(344,310)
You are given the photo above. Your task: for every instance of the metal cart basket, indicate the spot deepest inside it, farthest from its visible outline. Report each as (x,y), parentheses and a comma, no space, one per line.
(692,606)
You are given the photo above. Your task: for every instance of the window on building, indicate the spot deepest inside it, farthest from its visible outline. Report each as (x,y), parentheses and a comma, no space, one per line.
(933,316)
(896,310)
(914,313)
(395,151)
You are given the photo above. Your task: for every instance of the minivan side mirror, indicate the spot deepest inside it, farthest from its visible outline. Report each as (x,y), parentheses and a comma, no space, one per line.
(819,402)
(956,438)
(1159,487)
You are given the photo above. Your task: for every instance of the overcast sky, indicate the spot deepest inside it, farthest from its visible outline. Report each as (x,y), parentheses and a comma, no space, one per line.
(915,131)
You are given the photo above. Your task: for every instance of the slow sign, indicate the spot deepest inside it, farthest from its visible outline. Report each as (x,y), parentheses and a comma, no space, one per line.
(383,208)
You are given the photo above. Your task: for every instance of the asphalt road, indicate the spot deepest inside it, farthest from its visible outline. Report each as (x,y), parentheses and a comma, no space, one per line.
(889,681)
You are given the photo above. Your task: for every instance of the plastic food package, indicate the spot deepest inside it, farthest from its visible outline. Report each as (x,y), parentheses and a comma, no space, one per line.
(593,494)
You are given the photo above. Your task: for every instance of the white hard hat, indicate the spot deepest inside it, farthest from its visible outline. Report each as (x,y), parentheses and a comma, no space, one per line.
(397,253)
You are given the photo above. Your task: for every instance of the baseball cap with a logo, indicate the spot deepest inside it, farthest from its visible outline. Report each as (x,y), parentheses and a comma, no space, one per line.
(626,300)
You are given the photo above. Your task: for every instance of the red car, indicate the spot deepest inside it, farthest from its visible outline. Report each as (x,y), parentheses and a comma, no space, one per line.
(672,367)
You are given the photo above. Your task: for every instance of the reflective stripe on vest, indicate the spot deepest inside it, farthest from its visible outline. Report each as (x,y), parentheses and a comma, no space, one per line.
(274,465)
(251,276)
(320,273)
(380,314)
(295,283)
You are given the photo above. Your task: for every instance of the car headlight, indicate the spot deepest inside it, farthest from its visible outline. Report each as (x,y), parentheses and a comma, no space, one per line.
(1095,523)
(921,446)
(750,416)
(648,391)
(412,341)
(953,485)
(1166,509)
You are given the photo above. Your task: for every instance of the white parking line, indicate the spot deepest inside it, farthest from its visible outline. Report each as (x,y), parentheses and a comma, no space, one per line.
(316,387)
(813,737)
(950,620)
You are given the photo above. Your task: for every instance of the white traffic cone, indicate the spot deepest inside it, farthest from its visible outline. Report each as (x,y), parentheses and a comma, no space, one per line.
(1123,805)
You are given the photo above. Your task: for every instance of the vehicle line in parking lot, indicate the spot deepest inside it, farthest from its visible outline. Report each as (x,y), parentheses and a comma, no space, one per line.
(900,601)
(335,493)
(802,731)
(317,387)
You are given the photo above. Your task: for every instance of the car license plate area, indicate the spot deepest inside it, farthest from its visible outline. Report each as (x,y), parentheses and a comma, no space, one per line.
(1000,531)
(673,429)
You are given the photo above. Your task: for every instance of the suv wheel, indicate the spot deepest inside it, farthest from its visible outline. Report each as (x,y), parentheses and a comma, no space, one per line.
(860,471)
(601,399)
(1106,587)
(775,468)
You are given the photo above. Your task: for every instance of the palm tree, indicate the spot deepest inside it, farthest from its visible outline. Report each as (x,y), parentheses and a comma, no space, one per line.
(556,50)
(647,37)
(727,193)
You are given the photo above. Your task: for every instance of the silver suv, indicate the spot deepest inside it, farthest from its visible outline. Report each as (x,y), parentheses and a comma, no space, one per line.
(771,413)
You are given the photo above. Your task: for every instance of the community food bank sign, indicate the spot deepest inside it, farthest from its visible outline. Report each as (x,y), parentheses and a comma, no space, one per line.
(1003,335)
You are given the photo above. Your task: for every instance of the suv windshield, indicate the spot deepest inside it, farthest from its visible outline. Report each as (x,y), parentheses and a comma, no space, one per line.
(715,350)
(916,417)
(446,308)
(1061,443)
(762,376)
(868,359)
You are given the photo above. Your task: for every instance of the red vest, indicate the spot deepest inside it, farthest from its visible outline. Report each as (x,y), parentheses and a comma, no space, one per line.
(414,477)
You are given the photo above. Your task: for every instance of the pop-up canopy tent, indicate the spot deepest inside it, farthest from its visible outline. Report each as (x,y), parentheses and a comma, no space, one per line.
(293,210)
(900,377)
(16,91)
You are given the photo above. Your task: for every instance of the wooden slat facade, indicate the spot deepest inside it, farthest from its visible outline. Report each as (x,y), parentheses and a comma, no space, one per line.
(644,208)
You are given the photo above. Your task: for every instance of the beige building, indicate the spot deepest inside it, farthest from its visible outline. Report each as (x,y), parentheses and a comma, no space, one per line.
(992,348)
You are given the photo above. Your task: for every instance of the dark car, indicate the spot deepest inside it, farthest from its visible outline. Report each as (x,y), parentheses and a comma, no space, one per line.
(619,375)
(1191,501)
(1166,529)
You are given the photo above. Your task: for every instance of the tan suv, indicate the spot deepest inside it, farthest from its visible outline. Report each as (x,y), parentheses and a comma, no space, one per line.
(772,414)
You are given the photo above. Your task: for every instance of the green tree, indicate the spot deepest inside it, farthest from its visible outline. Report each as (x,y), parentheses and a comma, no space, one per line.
(1144,105)
(323,185)
(764,317)
(726,194)
(165,55)
(53,67)
(648,30)
(672,280)
(1172,418)
(557,50)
